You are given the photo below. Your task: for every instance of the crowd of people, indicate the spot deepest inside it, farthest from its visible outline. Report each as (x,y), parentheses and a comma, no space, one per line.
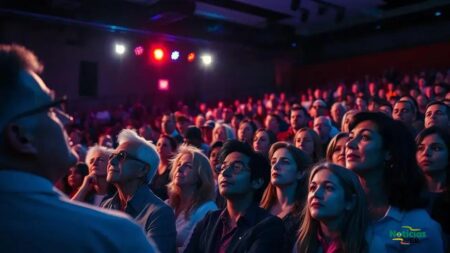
(352,169)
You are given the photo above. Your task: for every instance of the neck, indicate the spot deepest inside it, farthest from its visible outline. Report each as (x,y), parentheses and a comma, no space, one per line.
(330,229)
(237,206)
(436,181)
(285,198)
(126,191)
(186,196)
(163,166)
(372,183)
(102,186)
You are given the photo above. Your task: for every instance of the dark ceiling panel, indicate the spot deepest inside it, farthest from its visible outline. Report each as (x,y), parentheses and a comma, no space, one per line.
(247,8)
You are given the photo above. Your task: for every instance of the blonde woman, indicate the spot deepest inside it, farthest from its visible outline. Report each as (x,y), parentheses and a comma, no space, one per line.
(335,216)
(191,191)
(347,119)
(222,132)
(336,149)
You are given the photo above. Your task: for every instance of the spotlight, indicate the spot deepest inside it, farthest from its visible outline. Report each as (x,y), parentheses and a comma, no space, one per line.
(206,59)
(138,51)
(158,54)
(175,55)
(437,13)
(120,48)
(163,84)
(191,57)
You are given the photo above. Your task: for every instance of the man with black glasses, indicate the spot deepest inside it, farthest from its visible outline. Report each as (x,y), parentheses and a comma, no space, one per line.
(34,153)
(131,168)
(242,226)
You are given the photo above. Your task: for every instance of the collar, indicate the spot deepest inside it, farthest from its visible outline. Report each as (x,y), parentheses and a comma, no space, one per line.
(141,198)
(250,216)
(393,213)
(13,181)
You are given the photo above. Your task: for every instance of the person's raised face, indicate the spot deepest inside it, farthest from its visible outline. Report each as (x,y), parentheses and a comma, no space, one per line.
(74,179)
(220,134)
(124,166)
(337,113)
(182,126)
(284,169)
(432,154)
(164,148)
(261,142)
(361,105)
(272,124)
(235,175)
(338,156)
(322,127)
(403,111)
(42,126)
(245,133)
(317,109)
(298,119)
(326,197)
(436,115)
(214,158)
(304,141)
(185,175)
(167,124)
(98,163)
(364,149)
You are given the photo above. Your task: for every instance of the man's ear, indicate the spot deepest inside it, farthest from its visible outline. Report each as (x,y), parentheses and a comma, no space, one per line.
(257,183)
(144,171)
(19,139)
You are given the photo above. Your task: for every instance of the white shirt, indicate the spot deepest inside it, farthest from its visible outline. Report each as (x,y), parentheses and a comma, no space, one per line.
(36,217)
(185,226)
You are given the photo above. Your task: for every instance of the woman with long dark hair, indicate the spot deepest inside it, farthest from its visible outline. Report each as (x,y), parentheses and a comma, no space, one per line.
(381,152)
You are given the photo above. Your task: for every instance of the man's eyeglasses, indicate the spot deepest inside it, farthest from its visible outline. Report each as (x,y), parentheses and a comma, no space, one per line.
(236,167)
(123,155)
(57,107)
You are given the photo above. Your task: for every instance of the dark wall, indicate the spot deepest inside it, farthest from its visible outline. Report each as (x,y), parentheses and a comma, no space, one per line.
(295,78)
(235,73)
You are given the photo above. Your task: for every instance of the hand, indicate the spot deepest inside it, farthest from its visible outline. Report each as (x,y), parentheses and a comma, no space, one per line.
(89,181)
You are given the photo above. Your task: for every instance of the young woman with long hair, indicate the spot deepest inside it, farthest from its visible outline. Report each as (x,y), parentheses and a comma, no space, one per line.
(286,194)
(433,157)
(335,215)
(191,191)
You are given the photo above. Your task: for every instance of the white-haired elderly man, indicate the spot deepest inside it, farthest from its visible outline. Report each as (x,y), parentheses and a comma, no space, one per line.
(323,127)
(131,167)
(95,188)
(35,153)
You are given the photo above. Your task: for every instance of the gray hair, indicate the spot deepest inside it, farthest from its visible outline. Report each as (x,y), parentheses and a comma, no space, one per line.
(146,151)
(97,148)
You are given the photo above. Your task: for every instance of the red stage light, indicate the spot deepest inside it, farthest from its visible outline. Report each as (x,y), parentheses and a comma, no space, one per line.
(158,54)
(191,57)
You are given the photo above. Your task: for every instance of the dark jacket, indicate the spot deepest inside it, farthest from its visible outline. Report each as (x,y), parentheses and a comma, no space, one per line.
(257,231)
